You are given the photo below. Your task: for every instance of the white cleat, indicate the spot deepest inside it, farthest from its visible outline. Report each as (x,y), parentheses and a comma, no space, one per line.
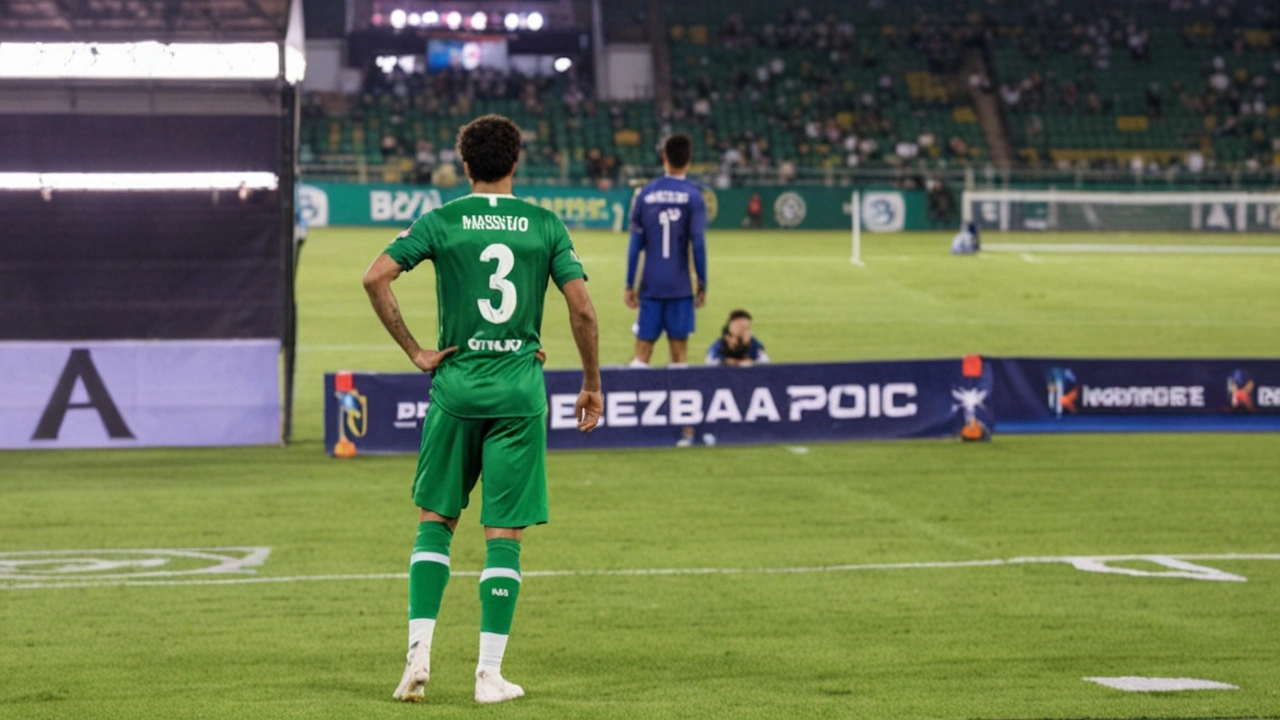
(491,688)
(417,671)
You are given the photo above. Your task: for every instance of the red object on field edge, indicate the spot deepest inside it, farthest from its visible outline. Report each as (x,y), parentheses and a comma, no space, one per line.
(342,382)
(971,366)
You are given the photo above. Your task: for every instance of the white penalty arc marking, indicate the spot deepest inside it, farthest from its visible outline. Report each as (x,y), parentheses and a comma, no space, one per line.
(1133,248)
(57,565)
(1180,566)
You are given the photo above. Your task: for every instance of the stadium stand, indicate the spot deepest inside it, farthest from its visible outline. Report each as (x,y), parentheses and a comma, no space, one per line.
(877,98)
(406,122)
(1111,82)
(828,84)
(833,86)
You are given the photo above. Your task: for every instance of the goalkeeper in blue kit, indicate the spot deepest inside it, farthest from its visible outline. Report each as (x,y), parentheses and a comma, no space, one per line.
(668,223)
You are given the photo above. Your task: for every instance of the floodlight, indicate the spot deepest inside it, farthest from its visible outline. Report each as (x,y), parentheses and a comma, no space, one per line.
(139,181)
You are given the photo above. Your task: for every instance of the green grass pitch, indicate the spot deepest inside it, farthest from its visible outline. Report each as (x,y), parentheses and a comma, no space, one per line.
(933,638)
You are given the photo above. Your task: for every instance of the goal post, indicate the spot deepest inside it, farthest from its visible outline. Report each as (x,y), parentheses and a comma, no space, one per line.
(855,215)
(1116,211)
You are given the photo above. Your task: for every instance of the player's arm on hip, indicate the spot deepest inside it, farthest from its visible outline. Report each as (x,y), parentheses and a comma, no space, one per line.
(377,283)
(586,333)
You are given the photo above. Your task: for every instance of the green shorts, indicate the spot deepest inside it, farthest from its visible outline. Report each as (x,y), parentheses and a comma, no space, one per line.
(511,453)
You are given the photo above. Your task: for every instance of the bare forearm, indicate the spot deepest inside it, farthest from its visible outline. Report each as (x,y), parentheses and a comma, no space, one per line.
(388,310)
(587,336)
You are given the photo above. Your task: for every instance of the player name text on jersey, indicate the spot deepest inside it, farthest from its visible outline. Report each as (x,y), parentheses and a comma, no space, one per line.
(511,223)
(667,196)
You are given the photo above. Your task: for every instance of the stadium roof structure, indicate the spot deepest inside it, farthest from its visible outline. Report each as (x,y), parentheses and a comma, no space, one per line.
(136,20)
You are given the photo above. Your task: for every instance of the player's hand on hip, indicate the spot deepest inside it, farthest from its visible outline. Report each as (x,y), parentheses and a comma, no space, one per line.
(630,299)
(588,409)
(542,356)
(429,360)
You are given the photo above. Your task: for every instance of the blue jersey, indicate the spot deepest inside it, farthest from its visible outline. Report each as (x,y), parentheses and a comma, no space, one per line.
(717,353)
(668,219)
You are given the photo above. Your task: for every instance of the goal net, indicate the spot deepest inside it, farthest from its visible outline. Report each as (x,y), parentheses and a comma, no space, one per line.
(1121,212)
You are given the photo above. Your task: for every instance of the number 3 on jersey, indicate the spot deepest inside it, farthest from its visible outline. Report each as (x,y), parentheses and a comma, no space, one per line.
(498,281)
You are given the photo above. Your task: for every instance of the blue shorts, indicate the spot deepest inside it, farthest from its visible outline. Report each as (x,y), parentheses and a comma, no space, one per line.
(673,316)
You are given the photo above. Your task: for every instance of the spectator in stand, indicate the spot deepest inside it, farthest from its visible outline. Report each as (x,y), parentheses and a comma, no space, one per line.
(763,165)
(702,110)
(609,169)
(1139,41)
(1195,161)
(445,175)
(786,172)
(1070,95)
(424,162)
(979,82)
(737,346)
(1155,103)
(832,131)
(884,86)
(1219,82)
(1035,127)
(730,158)
(755,211)
(594,165)
(906,151)
(941,205)
(734,28)
(1011,95)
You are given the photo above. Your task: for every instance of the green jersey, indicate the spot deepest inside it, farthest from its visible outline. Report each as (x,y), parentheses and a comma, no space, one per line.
(493,256)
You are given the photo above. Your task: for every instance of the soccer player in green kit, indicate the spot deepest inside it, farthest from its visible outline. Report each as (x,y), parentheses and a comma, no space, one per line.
(494,255)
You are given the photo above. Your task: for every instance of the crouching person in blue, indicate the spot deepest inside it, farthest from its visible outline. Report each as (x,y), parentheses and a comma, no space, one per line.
(736,345)
(966,241)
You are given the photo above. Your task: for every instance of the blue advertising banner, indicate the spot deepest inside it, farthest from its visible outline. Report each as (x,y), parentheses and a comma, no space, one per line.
(382,413)
(1037,395)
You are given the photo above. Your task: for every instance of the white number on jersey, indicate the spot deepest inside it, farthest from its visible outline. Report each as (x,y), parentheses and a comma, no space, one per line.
(666,217)
(498,281)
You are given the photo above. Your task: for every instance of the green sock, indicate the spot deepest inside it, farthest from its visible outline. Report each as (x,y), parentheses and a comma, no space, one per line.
(499,588)
(428,575)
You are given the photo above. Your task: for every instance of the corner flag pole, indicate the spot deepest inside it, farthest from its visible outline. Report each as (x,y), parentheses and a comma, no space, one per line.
(855,213)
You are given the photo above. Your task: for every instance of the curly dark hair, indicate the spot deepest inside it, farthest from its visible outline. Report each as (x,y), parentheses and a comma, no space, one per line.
(678,150)
(490,147)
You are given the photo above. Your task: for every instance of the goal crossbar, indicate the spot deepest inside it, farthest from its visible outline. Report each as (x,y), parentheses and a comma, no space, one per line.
(1002,210)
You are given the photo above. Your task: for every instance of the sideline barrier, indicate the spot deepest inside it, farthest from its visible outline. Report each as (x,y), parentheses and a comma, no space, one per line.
(1044,395)
(884,210)
(135,393)
(382,413)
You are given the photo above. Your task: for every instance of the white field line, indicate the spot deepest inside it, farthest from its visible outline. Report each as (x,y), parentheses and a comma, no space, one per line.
(1075,560)
(1133,248)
